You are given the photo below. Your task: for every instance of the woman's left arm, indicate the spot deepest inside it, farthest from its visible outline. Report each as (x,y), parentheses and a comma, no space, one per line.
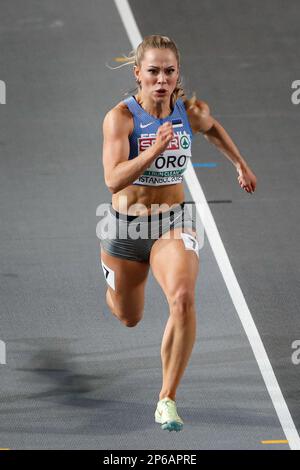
(202,121)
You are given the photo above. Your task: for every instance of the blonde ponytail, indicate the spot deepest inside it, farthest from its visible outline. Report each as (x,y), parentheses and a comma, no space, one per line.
(135,58)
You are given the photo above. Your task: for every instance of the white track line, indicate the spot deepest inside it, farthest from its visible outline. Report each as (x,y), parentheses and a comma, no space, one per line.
(224,264)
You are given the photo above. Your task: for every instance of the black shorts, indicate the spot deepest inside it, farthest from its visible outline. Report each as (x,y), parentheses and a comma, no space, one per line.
(132,237)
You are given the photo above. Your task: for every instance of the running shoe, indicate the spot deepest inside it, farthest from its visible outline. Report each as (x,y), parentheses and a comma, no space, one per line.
(166,415)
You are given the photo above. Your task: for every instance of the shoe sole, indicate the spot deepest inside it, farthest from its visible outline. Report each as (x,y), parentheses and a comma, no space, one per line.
(170,426)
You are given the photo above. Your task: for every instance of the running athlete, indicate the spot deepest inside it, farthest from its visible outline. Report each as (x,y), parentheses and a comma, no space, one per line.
(146,148)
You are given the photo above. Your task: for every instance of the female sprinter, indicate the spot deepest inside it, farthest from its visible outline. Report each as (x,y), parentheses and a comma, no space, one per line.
(146,146)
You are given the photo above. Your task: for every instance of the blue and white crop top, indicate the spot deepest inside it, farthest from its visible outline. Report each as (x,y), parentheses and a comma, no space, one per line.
(169,166)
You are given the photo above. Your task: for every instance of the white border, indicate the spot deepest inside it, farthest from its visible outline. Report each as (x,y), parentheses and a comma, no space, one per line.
(224,264)
(2,92)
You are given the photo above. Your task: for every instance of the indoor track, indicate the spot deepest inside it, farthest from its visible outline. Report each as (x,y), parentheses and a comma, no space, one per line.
(75,377)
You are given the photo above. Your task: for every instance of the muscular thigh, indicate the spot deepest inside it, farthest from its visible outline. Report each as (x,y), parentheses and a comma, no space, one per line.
(126,280)
(173,264)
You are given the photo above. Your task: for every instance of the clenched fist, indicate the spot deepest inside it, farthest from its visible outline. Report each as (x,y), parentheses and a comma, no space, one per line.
(164,136)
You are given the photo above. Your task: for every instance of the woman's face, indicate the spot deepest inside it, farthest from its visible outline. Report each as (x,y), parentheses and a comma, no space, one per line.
(159,70)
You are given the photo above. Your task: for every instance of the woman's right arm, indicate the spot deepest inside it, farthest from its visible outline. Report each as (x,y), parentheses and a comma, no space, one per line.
(119,172)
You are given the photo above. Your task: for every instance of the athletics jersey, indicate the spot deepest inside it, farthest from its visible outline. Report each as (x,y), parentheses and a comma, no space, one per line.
(169,166)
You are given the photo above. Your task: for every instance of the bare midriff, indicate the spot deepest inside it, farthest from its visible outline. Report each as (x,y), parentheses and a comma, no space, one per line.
(128,199)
